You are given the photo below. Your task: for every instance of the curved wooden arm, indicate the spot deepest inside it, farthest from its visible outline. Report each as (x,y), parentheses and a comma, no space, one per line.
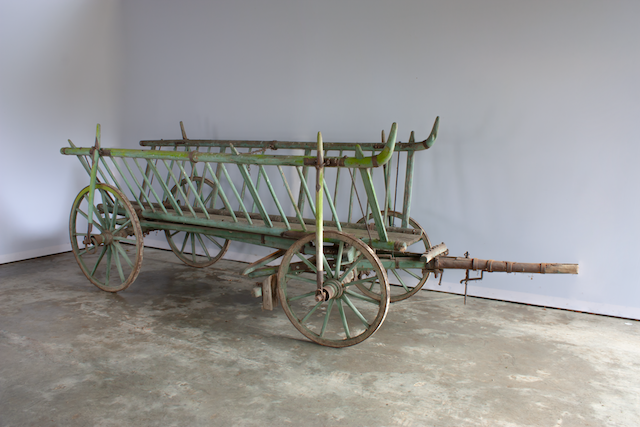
(427,143)
(378,160)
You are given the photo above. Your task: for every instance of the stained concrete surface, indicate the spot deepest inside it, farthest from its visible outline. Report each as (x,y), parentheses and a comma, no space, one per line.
(189,347)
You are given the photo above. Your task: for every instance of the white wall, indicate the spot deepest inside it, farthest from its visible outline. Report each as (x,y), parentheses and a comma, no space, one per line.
(537,99)
(59,77)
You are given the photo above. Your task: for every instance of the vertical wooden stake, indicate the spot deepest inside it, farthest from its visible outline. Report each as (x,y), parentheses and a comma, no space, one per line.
(319,215)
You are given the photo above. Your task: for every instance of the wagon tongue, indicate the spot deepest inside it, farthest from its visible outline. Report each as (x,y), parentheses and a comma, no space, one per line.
(436,262)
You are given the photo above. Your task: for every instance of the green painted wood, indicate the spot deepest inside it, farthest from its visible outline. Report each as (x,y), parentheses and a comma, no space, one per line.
(179,188)
(93,175)
(82,159)
(319,214)
(257,269)
(142,193)
(373,201)
(241,205)
(262,172)
(215,221)
(305,188)
(219,191)
(271,145)
(246,159)
(351,192)
(335,190)
(408,188)
(167,191)
(148,183)
(293,201)
(115,181)
(126,181)
(303,178)
(218,174)
(253,191)
(191,188)
(271,241)
(332,207)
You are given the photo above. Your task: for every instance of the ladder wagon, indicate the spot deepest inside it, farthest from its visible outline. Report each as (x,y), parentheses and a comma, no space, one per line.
(338,268)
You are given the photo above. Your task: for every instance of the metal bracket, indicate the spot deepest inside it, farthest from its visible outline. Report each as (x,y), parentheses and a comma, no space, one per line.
(466,279)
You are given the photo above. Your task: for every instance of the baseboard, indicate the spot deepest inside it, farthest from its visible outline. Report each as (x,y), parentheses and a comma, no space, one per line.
(34,253)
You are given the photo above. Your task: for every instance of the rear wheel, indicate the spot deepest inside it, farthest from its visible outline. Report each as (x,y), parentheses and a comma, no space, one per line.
(110,253)
(196,249)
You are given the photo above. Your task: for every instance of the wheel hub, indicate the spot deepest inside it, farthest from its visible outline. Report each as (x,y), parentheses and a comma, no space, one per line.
(106,238)
(332,289)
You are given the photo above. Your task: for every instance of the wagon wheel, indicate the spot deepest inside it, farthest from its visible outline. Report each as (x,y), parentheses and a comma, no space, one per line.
(349,316)
(196,249)
(404,282)
(112,259)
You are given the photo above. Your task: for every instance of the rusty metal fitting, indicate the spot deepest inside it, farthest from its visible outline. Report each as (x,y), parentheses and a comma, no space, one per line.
(332,289)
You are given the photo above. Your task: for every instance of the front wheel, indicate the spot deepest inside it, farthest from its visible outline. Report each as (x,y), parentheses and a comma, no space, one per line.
(348,316)
(110,253)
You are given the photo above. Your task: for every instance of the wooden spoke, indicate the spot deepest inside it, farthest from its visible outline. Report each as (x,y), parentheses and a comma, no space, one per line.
(214,241)
(327,268)
(108,270)
(204,247)
(124,240)
(345,324)
(95,267)
(353,265)
(371,280)
(355,310)
(184,242)
(395,273)
(119,267)
(315,307)
(360,296)
(306,261)
(301,279)
(123,226)
(308,294)
(326,317)
(339,258)
(123,252)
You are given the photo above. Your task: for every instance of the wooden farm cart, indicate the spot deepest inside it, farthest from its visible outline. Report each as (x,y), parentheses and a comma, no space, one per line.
(339,268)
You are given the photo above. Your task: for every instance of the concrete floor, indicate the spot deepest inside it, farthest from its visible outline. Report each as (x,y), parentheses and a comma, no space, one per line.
(192,347)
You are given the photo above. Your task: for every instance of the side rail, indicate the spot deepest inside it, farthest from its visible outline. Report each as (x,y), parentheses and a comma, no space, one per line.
(264,194)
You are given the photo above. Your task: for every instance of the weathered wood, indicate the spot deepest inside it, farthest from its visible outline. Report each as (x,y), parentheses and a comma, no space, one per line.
(244,158)
(293,145)
(441,263)
(269,293)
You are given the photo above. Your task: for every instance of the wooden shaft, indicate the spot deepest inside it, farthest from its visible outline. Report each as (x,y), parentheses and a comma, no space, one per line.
(441,263)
